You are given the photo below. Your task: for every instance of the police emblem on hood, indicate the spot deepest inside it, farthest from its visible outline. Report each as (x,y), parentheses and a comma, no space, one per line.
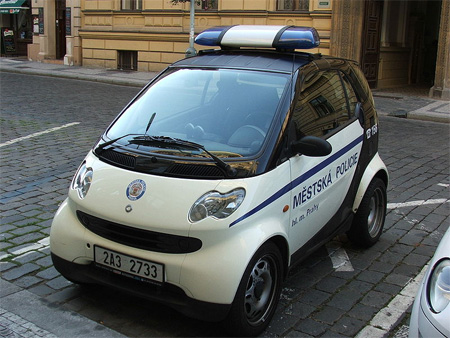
(136,190)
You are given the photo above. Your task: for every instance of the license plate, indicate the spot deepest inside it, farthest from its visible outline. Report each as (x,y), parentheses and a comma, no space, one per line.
(129,266)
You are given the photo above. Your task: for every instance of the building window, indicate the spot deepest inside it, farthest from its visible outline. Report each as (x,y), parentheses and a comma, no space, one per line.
(206,5)
(293,5)
(127,60)
(131,5)
(322,106)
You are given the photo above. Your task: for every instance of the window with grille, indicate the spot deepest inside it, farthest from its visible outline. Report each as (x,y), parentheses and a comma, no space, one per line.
(206,5)
(293,5)
(127,60)
(131,5)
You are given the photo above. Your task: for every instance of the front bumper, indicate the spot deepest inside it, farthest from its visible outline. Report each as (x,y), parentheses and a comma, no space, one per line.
(421,326)
(210,275)
(423,322)
(166,293)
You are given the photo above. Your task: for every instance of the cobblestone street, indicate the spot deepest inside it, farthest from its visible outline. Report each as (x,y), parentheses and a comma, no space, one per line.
(48,127)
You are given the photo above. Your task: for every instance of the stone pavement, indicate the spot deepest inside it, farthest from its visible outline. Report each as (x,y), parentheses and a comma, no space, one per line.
(394,102)
(26,314)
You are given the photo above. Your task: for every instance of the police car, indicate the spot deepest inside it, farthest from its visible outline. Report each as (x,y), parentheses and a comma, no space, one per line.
(222,173)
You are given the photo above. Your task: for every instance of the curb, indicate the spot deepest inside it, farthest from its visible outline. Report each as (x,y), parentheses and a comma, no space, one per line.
(438,111)
(74,76)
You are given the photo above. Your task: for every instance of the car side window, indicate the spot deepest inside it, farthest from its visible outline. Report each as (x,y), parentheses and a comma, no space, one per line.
(351,95)
(321,106)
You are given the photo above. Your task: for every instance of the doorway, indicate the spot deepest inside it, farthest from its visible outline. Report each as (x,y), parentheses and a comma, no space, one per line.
(400,42)
(60,14)
(370,48)
(424,24)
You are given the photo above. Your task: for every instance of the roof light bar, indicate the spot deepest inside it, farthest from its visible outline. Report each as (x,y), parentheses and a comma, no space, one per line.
(280,37)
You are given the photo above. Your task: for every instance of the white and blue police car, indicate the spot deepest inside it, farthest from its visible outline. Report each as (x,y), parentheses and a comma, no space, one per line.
(222,173)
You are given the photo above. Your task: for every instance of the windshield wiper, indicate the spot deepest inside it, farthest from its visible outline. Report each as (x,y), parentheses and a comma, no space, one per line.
(165,140)
(102,146)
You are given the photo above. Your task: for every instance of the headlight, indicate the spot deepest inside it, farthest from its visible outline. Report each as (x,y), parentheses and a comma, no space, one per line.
(439,286)
(217,205)
(82,181)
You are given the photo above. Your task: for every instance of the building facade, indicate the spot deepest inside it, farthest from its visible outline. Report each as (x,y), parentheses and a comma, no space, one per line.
(397,42)
(16,26)
(56,26)
(151,34)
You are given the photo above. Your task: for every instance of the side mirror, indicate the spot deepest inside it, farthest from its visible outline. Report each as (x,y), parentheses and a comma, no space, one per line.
(312,146)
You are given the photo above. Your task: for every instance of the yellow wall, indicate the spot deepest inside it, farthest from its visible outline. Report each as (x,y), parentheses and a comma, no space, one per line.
(160,32)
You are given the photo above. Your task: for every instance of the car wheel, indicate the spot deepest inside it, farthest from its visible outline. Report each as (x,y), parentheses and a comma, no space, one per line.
(368,222)
(258,293)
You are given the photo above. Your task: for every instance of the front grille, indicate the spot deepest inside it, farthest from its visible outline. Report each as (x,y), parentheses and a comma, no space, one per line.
(115,157)
(139,238)
(192,170)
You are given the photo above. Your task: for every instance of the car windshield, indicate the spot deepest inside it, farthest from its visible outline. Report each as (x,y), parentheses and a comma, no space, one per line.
(229,112)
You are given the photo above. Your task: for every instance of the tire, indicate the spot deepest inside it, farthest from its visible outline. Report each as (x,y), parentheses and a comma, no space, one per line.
(368,222)
(258,293)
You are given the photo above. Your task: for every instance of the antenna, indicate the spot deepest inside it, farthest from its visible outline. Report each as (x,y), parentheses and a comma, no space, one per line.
(150,123)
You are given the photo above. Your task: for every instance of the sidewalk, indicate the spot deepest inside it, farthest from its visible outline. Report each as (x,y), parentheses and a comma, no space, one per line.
(26,315)
(398,102)
(410,103)
(125,78)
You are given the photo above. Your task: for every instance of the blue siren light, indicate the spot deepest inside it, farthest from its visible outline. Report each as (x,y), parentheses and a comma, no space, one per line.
(280,37)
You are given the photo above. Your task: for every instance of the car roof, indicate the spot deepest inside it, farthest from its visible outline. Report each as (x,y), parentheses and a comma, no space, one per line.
(251,59)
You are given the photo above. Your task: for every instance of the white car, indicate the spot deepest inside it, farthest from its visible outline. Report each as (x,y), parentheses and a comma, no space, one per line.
(222,173)
(430,316)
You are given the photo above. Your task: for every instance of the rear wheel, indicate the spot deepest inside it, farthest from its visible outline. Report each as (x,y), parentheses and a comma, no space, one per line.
(368,223)
(258,293)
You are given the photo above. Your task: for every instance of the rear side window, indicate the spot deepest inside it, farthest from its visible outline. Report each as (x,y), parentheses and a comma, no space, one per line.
(351,95)
(360,83)
(321,106)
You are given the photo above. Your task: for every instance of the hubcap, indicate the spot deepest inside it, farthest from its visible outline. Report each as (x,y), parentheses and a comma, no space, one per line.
(376,213)
(260,290)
